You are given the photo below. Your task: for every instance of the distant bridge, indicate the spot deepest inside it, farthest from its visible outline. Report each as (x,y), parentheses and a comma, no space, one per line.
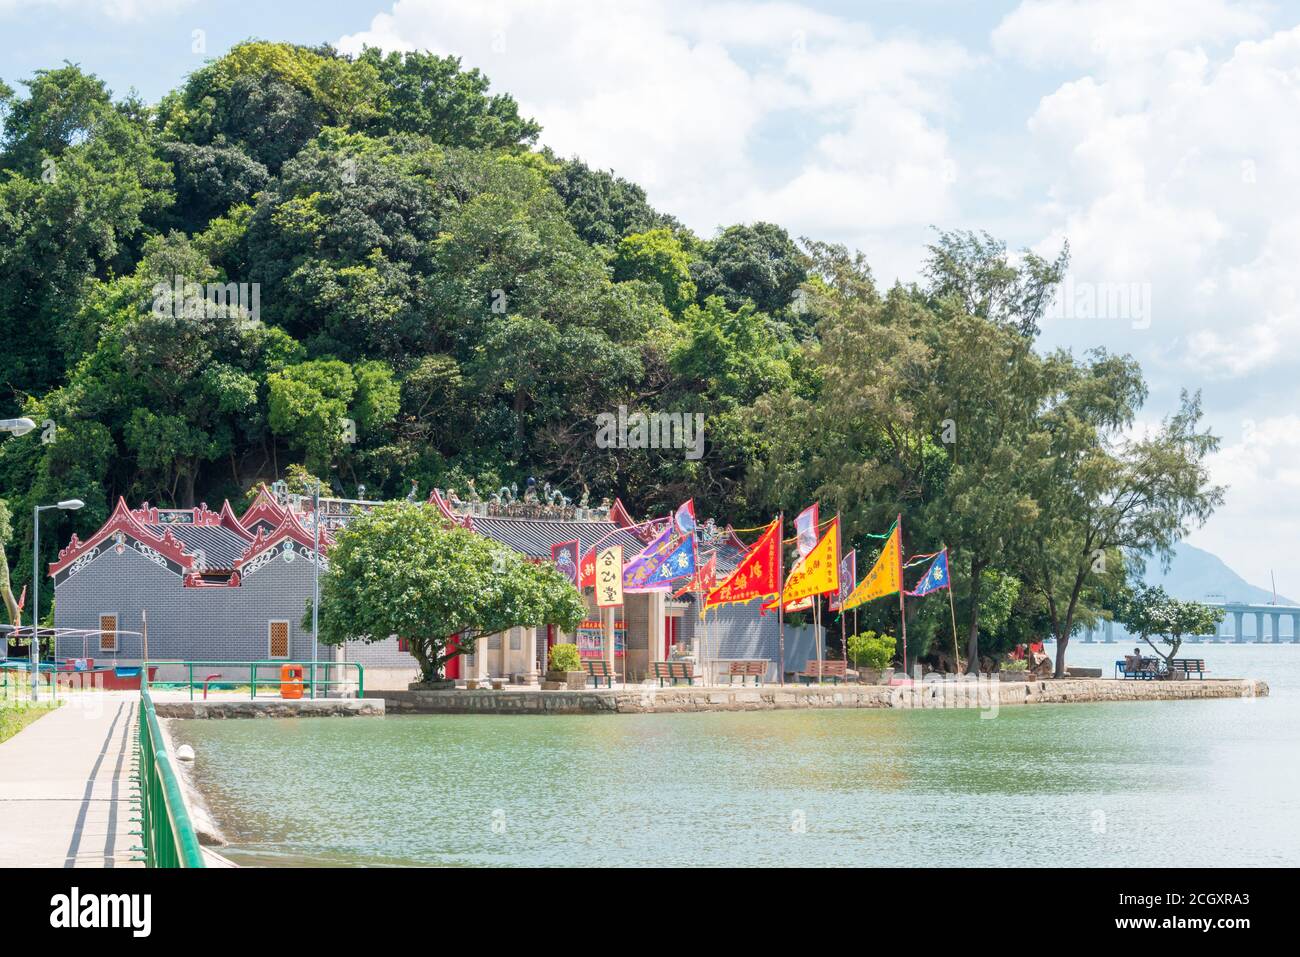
(1230,629)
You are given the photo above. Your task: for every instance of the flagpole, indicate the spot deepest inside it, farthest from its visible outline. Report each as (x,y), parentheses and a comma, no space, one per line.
(780,596)
(902,609)
(839,558)
(953,612)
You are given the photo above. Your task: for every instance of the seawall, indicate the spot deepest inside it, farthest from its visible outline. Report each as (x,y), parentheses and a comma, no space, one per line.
(928,694)
(271,708)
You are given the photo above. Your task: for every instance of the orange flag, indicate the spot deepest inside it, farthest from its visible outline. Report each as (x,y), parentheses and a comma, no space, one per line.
(756,575)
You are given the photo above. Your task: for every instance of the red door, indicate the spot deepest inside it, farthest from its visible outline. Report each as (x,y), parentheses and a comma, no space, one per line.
(453,667)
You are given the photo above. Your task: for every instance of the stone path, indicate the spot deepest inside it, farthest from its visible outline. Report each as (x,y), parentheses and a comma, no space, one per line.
(66,798)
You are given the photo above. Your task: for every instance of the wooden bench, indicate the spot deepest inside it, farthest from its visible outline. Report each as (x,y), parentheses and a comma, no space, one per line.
(747,669)
(673,671)
(598,668)
(1188,665)
(834,670)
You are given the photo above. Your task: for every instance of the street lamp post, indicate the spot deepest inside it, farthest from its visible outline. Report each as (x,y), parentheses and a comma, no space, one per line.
(315,587)
(68,504)
(17,426)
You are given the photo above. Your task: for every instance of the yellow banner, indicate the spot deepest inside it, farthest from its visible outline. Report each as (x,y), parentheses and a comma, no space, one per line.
(609,576)
(818,571)
(884,577)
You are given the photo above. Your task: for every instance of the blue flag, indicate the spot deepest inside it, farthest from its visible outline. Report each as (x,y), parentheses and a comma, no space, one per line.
(935,578)
(679,564)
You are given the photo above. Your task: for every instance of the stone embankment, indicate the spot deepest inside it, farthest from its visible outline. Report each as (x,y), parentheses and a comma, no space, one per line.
(927,694)
(269,708)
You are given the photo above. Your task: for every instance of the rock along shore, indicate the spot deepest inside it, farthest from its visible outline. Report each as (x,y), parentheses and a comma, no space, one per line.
(927,694)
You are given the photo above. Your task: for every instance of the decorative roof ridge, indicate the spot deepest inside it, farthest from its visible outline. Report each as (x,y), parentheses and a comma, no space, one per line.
(264,506)
(437,499)
(124,519)
(289,527)
(619,515)
(735,539)
(228,520)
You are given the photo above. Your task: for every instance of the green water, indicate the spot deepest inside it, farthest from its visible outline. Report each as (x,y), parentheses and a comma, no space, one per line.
(1160,783)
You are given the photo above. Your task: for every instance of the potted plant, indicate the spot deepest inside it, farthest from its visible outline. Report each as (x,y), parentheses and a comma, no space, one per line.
(871,654)
(1014,669)
(564,669)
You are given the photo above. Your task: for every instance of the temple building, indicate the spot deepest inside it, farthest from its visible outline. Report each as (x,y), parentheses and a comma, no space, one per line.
(202,585)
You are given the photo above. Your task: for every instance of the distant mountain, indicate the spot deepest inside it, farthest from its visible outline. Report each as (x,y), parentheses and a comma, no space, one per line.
(1198,575)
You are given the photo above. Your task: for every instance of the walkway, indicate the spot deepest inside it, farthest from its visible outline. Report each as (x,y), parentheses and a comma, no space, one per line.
(65,786)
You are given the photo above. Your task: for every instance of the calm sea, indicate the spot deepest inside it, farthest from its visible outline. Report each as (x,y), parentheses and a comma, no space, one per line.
(1161,783)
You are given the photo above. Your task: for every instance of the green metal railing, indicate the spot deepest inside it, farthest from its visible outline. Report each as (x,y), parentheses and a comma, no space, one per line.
(167,833)
(197,674)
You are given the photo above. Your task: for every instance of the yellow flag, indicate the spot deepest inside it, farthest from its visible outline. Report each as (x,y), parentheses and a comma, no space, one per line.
(884,577)
(818,571)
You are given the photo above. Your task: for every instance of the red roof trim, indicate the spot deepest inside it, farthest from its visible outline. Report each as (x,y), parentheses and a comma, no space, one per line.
(289,527)
(618,514)
(443,506)
(227,520)
(125,520)
(264,509)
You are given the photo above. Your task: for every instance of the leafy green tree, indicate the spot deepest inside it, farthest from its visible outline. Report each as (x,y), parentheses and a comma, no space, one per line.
(269,99)
(83,181)
(1148,611)
(309,403)
(657,258)
(602,207)
(1100,492)
(432,96)
(401,570)
(62,108)
(974,270)
(6,591)
(210,180)
(758,263)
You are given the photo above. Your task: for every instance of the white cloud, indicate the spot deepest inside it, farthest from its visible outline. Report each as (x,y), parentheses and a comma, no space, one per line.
(1185,188)
(1261,467)
(723,111)
(1085,33)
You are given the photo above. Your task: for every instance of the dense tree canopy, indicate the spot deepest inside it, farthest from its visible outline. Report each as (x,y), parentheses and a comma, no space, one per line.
(364,267)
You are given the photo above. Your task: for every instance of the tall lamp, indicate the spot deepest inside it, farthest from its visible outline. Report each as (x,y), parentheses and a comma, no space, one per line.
(70,505)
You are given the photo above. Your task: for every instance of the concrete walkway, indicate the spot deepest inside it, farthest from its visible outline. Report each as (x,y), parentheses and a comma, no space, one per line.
(65,790)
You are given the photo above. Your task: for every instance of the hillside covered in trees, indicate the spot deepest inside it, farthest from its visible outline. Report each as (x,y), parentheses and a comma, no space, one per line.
(430,297)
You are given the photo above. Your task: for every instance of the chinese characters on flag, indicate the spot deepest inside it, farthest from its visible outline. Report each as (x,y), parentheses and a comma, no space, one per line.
(609,576)
(757,574)
(885,577)
(818,571)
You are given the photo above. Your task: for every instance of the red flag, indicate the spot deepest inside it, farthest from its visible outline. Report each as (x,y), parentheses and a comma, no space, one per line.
(587,570)
(757,574)
(22,599)
(704,580)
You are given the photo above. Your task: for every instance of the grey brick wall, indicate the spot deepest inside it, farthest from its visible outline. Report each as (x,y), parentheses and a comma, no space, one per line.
(739,631)
(192,623)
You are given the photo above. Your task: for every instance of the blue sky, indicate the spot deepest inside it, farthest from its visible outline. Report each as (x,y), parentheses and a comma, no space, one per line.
(1164,144)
